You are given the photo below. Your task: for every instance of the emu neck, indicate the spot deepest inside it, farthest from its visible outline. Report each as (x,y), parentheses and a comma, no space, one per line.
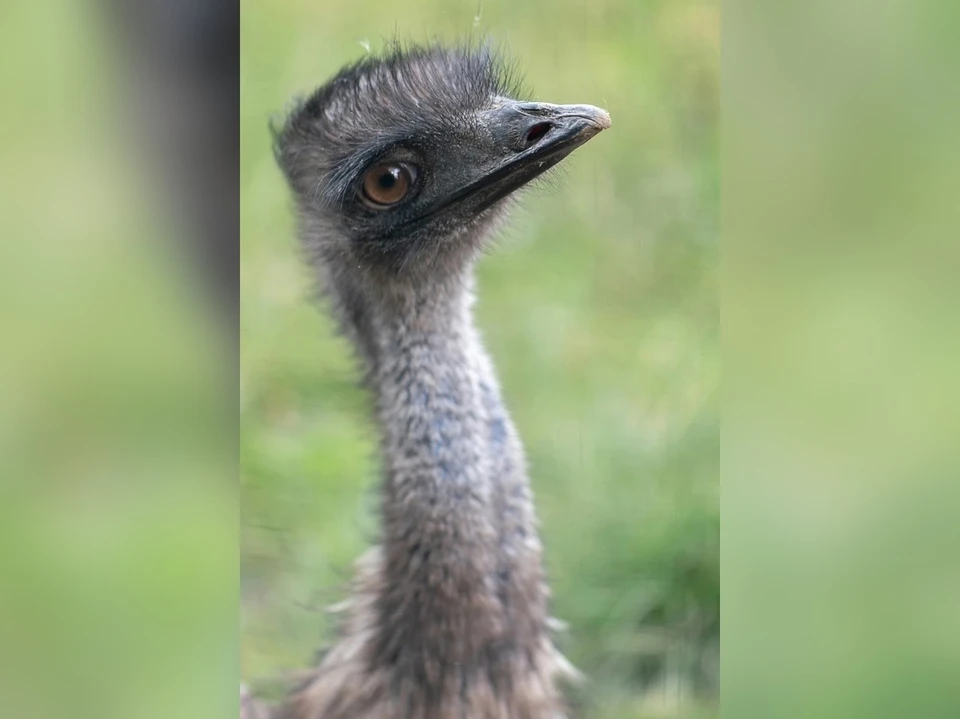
(463,572)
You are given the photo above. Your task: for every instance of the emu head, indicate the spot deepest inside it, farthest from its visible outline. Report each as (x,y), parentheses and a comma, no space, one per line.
(401,164)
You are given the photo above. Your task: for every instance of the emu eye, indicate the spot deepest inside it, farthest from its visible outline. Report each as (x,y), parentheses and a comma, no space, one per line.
(387,183)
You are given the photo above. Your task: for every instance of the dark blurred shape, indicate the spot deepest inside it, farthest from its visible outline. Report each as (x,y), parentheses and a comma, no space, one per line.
(184,82)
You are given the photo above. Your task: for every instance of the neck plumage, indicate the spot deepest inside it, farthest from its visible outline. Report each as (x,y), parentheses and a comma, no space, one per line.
(463,582)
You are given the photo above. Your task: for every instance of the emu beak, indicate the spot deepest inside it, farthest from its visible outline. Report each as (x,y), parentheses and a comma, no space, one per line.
(521,141)
(542,125)
(532,137)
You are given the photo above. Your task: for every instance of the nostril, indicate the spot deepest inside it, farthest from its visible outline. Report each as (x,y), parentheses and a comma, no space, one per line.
(537,132)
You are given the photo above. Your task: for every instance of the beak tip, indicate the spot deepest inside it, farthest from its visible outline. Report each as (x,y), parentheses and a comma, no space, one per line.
(602,119)
(597,119)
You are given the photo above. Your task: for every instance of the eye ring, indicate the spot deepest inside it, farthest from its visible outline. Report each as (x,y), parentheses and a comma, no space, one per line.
(386,184)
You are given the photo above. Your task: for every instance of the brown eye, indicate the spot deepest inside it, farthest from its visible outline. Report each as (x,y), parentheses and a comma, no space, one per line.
(387,183)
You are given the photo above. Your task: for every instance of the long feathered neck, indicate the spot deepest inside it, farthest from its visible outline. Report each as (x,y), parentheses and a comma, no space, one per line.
(462,584)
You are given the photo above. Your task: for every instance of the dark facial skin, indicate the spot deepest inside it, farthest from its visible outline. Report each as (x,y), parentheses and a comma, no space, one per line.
(445,143)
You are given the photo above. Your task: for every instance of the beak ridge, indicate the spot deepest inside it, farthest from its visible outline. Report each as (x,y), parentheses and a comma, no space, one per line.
(536,127)
(596,116)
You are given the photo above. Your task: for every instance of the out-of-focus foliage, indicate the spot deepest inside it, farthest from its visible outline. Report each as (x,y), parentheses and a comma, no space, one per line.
(599,307)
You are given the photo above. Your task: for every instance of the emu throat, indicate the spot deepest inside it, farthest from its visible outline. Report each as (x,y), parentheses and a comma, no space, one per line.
(462,559)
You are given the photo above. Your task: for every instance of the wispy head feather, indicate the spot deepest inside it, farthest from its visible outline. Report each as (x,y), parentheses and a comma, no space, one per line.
(402,84)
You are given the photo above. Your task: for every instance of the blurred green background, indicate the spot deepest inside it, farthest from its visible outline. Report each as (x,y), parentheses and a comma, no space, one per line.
(599,307)
(117,528)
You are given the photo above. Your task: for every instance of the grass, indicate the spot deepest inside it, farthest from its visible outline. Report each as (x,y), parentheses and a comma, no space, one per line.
(599,307)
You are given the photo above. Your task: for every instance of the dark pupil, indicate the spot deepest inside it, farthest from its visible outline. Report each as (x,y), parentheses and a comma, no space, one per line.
(388,179)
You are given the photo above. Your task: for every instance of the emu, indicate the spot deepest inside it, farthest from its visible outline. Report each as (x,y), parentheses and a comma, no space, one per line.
(402,166)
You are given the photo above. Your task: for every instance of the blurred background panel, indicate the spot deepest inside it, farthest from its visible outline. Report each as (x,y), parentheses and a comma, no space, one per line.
(599,307)
(840,351)
(118,372)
